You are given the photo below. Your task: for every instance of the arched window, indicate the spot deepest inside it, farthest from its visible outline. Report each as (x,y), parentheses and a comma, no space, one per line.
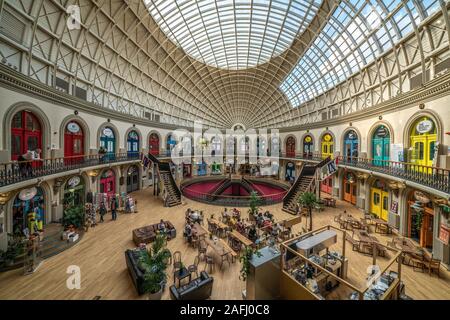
(308,146)
(327,145)
(133,144)
(381,140)
(351,144)
(290,147)
(73,142)
(171,142)
(154,144)
(26,134)
(108,142)
(423,137)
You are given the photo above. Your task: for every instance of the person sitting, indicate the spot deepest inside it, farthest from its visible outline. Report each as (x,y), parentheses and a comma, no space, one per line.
(252,234)
(188,232)
(162,227)
(240,226)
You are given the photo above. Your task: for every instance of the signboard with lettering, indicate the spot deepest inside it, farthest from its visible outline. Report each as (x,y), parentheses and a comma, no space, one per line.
(424,126)
(73,127)
(328,170)
(107,132)
(444,234)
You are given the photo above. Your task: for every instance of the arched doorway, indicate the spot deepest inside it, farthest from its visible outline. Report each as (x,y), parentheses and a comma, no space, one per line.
(108,142)
(420,218)
(154,144)
(132,179)
(290,147)
(216,146)
(29,211)
(381,140)
(350,187)
(108,182)
(133,144)
(261,147)
(73,142)
(308,146)
(26,134)
(327,185)
(327,146)
(290,172)
(74,197)
(379,199)
(351,144)
(423,137)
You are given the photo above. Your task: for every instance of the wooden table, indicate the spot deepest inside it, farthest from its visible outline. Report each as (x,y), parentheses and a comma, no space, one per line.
(243,239)
(218,223)
(199,230)
(349,220)
(222,249)
(330,202)
(380,222)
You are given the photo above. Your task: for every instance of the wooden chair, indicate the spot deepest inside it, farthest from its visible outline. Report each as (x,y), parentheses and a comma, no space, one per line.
(194,267)
(194,241)
(355,243)
(209,262)
(432,264)
(224,258)
(176,260)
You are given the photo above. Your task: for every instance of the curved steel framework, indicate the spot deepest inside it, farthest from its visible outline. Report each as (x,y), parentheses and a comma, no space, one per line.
(119,58)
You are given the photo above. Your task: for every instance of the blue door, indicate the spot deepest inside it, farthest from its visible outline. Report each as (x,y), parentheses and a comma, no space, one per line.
(381,146)
(108,142)
(133,145)
(351,144)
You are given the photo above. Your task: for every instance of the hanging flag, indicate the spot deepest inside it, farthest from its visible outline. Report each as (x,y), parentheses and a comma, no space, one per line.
(329,169)
(145,161)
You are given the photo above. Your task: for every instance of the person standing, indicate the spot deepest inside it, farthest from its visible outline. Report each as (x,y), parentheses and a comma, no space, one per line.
(102,211)
(114,205)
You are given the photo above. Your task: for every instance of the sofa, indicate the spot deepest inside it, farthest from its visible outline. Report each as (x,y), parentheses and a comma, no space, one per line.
(136,273)
(147,234)
(198,289)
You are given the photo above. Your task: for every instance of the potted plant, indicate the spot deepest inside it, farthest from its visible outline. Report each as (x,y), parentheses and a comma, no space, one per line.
(245,259)
(16,247)
(255,200)
(309,201)
(155,262)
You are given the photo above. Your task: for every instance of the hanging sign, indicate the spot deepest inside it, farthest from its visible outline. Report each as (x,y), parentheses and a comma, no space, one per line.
(382,132)
(444,234)
(327,138)
(107,132)
(73,127)
(422,197)
(328,170)
(27,194)
(308,139)
(424,126)
(74,181)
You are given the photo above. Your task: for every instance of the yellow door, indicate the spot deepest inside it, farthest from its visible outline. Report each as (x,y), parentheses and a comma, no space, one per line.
(375,204)
(384,206)
(327,146)
(423,150)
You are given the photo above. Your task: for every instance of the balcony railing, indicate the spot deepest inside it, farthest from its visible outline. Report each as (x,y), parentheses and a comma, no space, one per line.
(18,171)
(436,178)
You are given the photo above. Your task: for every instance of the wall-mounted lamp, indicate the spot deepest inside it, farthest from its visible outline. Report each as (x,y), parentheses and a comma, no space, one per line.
(380,118)
(76,112)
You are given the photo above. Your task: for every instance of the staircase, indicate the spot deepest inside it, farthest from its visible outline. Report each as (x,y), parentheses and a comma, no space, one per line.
(248,186)
(220,189)
(305,182)
(165,174)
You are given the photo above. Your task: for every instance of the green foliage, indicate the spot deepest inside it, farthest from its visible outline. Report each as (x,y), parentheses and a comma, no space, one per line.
(73,215)
(418,220)
(16,247)
(255,201)
(308,200)
(245,261)
(155,262)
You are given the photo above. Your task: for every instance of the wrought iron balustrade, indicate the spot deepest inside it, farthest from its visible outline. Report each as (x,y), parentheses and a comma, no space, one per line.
(18,171)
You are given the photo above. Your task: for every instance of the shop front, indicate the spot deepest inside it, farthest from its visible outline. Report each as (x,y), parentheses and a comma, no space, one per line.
(26,134)
(170,144)
(133,144)
(351,144)
(290,172)
(381,140)
(108,143)
(202,169)
(350,187)
(326,185)
(423,142)
(108,182)
(29,211)
(308,146)
(327,146)
(153,144)
(421,218)
(379,200)
(290,147)
(132,179)
(187,170)
(73,142)
(74,196)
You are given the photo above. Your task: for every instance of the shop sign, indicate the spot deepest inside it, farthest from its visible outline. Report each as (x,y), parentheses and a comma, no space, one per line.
(444,234)
(74,181)
(424,126)
(308,139)
(290,165)
(73,127)
(382,132)
(107,132)
(327,138)
(27,194)
(351,135)
(422,197)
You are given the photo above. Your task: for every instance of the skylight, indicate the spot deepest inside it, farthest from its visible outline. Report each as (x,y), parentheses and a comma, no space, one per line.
(358,32)
(233,34)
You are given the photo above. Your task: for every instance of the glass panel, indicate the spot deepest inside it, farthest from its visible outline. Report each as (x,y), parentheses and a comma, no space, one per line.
(17,121)
(432,146)
(32,143)
(16,145)
(385,203)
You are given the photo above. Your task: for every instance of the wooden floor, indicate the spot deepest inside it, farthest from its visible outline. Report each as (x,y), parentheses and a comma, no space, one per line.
(100,255)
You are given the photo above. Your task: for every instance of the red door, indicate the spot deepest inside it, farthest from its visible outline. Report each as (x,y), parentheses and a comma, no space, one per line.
(290,147)
(154,144)
(26,134)
(108,183)
(327,185)
(73,143)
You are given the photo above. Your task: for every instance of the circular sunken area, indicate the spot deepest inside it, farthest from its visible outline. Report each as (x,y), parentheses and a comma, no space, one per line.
(233,192)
